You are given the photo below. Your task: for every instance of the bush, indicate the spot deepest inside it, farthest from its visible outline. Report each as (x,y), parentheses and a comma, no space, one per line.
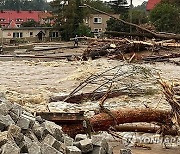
(166,17)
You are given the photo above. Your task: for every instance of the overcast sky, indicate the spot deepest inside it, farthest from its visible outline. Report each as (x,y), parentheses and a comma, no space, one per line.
(135,2)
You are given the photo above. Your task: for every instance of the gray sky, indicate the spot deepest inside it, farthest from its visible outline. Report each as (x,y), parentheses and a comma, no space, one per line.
(135,2)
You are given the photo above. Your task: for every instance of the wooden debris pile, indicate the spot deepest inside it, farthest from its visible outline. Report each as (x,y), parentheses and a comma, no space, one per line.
(122,48)
(124,78)
(107,47)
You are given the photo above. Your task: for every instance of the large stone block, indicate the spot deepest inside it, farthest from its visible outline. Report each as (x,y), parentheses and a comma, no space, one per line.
(14,130)
(16,109)
(19,138)
(14,116)
(49,139)
(100,141)
(5,121)
(3,137)
(23,122)
(98,150)
(32,136)
(86,145)
(39,119)
(68,141)
(80,137)
(47,149)
(38,130)
(72,150)
(34,149)
(3,109)
(53,129)
(25,144)
(10,148)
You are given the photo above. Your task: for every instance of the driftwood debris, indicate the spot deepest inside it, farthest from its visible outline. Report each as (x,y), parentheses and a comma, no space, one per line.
(103,121)
(164,57)
(145,129)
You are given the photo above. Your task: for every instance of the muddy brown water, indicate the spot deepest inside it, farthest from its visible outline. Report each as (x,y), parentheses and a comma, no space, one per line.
(31,83)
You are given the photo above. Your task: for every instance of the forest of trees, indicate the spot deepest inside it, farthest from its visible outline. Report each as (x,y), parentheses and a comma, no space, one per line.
(38,5)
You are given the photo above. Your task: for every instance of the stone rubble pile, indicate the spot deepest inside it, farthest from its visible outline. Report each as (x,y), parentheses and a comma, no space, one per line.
(23,133)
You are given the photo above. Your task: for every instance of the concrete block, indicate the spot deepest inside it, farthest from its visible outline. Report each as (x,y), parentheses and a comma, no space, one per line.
(34,149)
(125,151)
(25,144)
(39,119)
(53,129)
(80,137)
(68,141)
(23,123)
(100,141)
(72,150)
(98,150)
(47,149)
(19,138)
(14,116)
(32,136)
(14,130)
(38,130)
(77,144)
(5,121)
(16,109)
(49,139)
(3,109)
(86,145)
(3,138)
(58,145)
(10,148)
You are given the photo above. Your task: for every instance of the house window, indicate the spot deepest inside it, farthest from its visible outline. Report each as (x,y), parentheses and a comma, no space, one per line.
(97,20)
(97,30)
(19,19)
(54,34)
(2,19)
(17,35)
(31,33)
(18,25)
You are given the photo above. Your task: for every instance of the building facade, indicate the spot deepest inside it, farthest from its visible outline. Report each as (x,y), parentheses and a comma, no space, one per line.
(98,22)
(29,34)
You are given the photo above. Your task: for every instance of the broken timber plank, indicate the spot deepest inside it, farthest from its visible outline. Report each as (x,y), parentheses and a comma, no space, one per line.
(62,118)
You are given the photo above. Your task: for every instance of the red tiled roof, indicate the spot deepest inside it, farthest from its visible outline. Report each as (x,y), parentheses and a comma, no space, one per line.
(18,16)
(151,4)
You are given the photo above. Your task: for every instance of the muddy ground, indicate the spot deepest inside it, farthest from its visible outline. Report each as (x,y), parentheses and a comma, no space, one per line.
(31,83)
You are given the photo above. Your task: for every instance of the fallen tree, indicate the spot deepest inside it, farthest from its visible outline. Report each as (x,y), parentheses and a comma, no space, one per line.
(103,121)
(154,34)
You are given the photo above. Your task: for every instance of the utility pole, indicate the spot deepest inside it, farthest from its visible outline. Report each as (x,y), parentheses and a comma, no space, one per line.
(130,15)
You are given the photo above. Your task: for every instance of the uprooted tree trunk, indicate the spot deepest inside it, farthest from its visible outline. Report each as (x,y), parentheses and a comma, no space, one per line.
(154,34)
(145,129)
(103,121)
